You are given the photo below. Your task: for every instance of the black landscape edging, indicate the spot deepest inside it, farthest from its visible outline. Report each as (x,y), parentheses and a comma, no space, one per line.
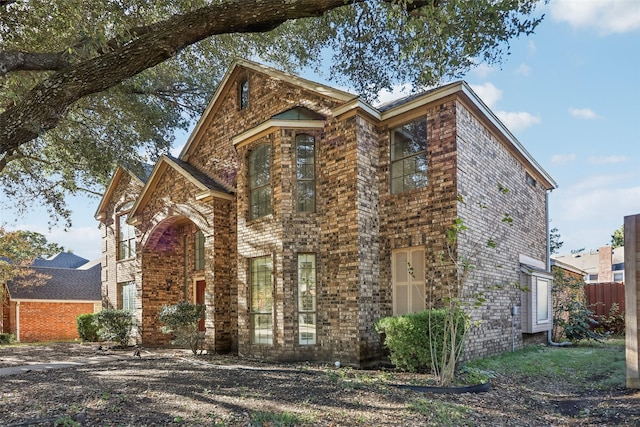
(476,388)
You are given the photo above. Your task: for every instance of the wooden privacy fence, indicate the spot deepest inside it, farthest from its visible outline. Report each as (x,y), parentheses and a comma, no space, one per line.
(600,296)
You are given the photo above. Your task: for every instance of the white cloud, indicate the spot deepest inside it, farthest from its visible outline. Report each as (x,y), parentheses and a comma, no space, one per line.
(607,16)
(519,120)
(514,121)
(607,160)
(397,92)
(489,94)
(532,47)
(523,70)
(562,159)
(583,113)
(482,70)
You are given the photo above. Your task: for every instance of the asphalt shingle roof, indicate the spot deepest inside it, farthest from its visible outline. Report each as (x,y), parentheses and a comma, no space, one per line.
(47,283)
(61,260)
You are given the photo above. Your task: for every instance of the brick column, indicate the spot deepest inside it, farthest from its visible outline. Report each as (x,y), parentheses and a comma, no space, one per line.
(632,297)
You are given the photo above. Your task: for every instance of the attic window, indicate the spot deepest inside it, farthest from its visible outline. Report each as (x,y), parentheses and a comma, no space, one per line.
(243,93)
(530,180)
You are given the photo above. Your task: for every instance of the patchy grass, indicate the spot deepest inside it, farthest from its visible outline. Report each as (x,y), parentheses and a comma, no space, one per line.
(589,364)
(438,413)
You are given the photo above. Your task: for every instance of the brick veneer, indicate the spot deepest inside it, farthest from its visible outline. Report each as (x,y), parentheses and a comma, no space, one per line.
(49,321)
(356,226)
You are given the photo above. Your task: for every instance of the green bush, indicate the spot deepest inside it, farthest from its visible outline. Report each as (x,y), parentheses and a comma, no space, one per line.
(613,323)
(115,325)
(408,337)
(182,320)
(87,328)
(7,338)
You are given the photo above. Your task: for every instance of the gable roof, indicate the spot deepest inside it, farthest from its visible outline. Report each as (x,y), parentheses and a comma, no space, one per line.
(208,186)
(59,284)
(141,177)
(319,88)
(61,260)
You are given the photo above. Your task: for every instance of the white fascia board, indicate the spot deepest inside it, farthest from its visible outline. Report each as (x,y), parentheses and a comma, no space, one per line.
(357,104)
(273,124)
(466,89)
(213,194)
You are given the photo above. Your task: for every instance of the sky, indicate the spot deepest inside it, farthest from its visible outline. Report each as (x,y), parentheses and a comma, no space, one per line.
(570,93)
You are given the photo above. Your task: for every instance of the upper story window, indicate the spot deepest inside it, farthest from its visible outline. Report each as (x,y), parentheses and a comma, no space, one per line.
(243,93)
(199,251)
(305,173)
(126,234)
(409,156)
(260,181)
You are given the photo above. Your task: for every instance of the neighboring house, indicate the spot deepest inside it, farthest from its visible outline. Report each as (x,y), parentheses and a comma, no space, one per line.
(604,265)
(43,305)
(300,214)
(603,275)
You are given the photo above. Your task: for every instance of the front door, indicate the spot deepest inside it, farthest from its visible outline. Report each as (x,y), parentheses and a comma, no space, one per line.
(200,284)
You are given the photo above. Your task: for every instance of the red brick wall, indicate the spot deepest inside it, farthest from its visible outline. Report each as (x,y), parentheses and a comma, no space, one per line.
(50,321)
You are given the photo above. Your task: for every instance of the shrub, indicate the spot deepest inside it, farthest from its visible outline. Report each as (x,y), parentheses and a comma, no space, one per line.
(7,338)
(87,328)
(572,318)
(409,338)
(612,323)
(182,320)
(115,325)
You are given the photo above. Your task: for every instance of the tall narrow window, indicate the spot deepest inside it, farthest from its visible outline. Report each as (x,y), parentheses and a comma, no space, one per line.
(408,281)
(305,173)
(243,94)
(262,300)
(409,156)
(260,181)
(127,294)
(126,235)
(542,300)
(199,251)
(307,299)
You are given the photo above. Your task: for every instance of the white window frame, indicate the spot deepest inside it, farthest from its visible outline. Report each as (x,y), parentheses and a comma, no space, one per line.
(307,299)
(127,296)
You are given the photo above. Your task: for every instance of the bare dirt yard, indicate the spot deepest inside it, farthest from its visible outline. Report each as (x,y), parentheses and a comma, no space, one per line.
(171,387)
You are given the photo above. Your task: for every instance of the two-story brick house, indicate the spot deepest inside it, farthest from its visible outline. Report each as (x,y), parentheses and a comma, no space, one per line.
(300,214)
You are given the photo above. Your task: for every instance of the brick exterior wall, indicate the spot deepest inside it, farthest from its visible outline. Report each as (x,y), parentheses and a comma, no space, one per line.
(484,164)
(357,225)
(48,321)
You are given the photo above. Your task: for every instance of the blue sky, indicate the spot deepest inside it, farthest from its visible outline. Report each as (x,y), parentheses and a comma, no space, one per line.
(570,93)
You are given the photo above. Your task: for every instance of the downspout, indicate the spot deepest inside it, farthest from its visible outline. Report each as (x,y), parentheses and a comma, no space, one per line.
(18,321)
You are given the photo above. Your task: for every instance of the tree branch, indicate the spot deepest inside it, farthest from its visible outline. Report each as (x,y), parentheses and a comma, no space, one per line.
(46,104)
(29,61)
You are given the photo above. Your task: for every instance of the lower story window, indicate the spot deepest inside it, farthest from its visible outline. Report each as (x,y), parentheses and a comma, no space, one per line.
(307,295)
(408,281)
(127,291)
(262,300)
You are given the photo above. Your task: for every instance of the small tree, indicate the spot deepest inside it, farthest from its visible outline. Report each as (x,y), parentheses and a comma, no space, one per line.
(115,325)
(182,320)
(572,318)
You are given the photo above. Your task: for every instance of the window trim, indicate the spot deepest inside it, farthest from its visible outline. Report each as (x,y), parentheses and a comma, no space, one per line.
(412,280)
(243,93)
(414,155)
(299,180)
(131,296)
(125,248)
(253,190)
(313,311)
(267,293)
(198,250)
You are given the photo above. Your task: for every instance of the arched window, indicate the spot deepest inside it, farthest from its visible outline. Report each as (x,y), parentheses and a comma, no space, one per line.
(305,173)
(260,181)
